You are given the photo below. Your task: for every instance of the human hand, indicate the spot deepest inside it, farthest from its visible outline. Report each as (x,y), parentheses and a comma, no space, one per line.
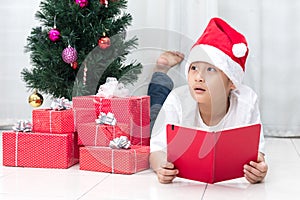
(255,172)
(166,173)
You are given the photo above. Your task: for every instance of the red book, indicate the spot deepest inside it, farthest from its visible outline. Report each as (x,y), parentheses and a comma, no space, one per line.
(212,157)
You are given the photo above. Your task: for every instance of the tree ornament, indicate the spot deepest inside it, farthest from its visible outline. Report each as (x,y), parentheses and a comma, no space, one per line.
(74,65)
(69,55)
(104,2)
(82,3)
(54,35)
(35,99)
(104,42)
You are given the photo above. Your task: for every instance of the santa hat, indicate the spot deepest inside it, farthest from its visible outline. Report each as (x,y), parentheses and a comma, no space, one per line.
(223,47)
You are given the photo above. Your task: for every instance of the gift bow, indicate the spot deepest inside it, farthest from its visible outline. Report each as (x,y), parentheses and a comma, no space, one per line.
(120,143)
(60,104)
(108,118)
(22,126)
(112,88)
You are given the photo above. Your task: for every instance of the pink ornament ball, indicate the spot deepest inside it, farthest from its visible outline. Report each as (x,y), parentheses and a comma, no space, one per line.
(54,35)
(82,3)
(69,55)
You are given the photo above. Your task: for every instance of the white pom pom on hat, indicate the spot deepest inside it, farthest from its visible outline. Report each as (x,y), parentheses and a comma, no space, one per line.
(222,46)
(239,50)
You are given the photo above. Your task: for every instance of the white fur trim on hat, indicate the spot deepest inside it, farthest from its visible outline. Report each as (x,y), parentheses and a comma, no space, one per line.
(218,58)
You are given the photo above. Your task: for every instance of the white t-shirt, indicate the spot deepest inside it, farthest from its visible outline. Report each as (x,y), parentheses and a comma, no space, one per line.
(180,108)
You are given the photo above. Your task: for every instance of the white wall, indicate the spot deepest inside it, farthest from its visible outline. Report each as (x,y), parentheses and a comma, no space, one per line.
(272,28)
(162,25)
(17,19)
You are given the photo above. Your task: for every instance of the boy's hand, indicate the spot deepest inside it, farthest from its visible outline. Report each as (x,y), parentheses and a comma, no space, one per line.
(166,173)
(255,172)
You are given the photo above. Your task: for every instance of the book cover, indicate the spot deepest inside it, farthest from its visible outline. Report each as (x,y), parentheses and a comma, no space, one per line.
(212,157)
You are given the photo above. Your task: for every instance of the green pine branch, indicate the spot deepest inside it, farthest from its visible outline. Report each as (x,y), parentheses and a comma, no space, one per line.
(81,28)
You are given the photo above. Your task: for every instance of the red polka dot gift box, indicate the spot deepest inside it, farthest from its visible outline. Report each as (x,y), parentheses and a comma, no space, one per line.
(84,110)
(53,121)
(118,161)
(39,150)
(93,134)
(133,111)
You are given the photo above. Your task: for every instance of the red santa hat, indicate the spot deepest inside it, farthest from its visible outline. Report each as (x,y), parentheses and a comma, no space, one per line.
(222,46)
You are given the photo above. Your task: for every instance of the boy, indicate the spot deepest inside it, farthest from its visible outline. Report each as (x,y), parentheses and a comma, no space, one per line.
(214,99)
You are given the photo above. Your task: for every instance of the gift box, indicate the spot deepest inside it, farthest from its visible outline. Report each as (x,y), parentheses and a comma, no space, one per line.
(39,150)
(84,102)
(119,161)
(134,111)
(53,121)
(83,116)
(92,134)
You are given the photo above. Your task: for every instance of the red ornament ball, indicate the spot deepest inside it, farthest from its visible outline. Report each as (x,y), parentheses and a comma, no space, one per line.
(104,2)
(82,3)
(54,35)
(104,42)
(69,55)
(74,65)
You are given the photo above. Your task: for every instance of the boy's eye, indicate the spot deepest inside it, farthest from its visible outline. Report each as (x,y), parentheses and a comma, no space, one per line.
(193,67)
(211,69)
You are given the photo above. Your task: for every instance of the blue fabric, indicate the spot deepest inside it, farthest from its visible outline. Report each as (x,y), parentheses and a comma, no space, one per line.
(159,88)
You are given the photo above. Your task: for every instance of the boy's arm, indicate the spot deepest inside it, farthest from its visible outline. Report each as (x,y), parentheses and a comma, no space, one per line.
(255,172)
(165,170)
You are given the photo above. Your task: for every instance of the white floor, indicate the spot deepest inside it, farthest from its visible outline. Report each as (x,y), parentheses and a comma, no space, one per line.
(282,182)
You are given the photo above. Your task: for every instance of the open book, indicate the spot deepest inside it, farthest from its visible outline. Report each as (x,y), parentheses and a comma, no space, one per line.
(212,156)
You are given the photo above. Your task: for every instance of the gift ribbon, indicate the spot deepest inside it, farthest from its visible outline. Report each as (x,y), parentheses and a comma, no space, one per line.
(50,119)
(61,104)
(22,126)
(141,120)
(120,143)
(113,161)
(75,115)
(108,118)
(112,88)
(16,149)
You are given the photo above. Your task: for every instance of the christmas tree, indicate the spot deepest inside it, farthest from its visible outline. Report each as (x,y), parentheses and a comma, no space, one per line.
(78,44)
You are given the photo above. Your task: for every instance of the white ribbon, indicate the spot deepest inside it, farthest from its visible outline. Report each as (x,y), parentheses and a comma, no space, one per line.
(22,126)
(108,118)
(141,119)
(16,149)
(120,143)
(61,104)
(112,88)
(50,120)
(113,161)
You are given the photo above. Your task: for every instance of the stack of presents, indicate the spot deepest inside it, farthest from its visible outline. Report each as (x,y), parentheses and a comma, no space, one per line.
(102,132)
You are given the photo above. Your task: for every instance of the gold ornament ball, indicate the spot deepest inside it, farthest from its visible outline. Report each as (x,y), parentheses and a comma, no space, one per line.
(35,99)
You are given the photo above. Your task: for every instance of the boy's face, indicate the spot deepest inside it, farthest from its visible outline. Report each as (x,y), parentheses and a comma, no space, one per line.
(208,84)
